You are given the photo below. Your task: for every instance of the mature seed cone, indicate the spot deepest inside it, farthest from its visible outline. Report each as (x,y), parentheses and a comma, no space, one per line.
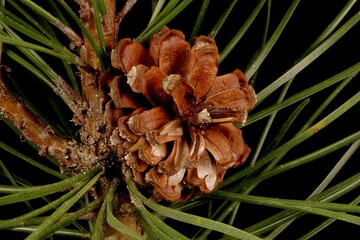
(174,116)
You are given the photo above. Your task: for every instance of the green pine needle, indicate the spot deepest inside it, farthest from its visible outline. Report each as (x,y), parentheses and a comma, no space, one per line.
(308,59)
(27,193)
(31,161)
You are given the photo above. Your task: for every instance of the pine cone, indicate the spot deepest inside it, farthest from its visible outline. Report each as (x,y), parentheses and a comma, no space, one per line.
(175,116)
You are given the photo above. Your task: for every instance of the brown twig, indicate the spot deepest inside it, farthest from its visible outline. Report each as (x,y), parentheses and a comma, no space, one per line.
(76,39)
(65,151)
(70,154)
(124,11)
(33,130)
(92,90)
(72,99)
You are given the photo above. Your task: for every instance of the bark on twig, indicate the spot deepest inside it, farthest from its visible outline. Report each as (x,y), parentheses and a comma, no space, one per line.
(76,39)
(120,16)
(33,130)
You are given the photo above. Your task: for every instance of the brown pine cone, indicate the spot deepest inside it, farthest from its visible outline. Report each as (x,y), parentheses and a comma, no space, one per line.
(174,116)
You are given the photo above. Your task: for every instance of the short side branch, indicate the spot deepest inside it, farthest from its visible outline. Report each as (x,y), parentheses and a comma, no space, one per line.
(75,157)
(33,130)
(120,16)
